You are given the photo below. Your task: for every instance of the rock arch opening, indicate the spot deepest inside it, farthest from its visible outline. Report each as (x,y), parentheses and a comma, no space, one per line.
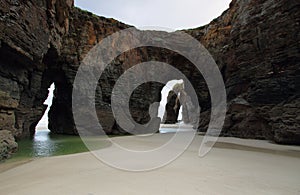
(177,110)
(169,108)
(43,123)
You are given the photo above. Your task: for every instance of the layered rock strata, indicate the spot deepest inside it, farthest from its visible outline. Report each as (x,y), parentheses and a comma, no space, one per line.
(255,44)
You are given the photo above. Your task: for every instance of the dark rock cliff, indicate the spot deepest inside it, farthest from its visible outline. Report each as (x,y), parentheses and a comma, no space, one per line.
(255,43)
(29,29)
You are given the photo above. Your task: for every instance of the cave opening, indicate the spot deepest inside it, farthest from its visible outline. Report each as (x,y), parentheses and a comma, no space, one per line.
(41,143)
(43,123)
(170,109)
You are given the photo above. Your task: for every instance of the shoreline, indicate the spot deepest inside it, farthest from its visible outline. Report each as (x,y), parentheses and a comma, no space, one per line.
(13,163)
(227,169)
(226,143)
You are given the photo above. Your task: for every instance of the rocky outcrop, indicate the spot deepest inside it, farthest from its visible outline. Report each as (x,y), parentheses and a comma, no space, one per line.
(84,32)
(242,120)
(285,121)
(28,30)
(35,52)
(172,109)
(255,43)
(7,144)
(179,98)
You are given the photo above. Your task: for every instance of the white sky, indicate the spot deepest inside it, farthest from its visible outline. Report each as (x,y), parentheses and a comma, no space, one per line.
(172,14)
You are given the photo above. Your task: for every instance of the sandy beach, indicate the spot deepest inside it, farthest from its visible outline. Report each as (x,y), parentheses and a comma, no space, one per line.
(234,166)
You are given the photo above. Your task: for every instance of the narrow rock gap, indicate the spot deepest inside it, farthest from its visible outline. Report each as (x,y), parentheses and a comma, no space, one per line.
(43,123)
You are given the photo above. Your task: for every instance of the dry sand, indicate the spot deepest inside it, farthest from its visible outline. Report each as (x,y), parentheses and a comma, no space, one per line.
(234,166)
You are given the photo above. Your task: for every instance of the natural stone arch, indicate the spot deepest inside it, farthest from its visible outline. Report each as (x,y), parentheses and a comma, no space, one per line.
(58,42)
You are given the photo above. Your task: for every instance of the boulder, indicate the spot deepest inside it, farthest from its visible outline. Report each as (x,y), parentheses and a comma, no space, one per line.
(8,145)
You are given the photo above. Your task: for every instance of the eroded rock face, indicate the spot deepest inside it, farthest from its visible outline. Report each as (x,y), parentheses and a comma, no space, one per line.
(177,98)
(28,30)
(285,121)
(255,44)
(41,43)
(8,145)
(172,108)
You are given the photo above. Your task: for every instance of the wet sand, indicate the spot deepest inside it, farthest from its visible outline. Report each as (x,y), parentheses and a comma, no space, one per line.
(5,166)
(234,166)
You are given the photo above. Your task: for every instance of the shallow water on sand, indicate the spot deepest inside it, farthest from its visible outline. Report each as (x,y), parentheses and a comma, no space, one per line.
(173,128)
(45,144)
